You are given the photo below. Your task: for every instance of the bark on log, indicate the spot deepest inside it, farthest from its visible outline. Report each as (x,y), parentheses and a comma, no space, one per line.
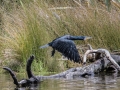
(105,53)
(91,69)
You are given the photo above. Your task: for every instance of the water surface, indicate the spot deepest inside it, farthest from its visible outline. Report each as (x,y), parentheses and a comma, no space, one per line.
(98,82)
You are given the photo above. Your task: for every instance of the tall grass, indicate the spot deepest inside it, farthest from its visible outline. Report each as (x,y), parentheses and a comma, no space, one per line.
(38,22)
(23,34)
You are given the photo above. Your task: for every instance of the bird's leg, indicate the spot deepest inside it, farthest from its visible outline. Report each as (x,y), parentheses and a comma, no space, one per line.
(53,52)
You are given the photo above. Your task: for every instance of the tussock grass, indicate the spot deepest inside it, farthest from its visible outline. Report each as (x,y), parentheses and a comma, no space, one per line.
(37,22)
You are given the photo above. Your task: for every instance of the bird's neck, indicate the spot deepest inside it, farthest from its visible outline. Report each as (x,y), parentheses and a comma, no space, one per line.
(77,37)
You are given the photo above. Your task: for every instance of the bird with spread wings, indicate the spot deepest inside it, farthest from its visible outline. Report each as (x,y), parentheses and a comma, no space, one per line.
(65,45)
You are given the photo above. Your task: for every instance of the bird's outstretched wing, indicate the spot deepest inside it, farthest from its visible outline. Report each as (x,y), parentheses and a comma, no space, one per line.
(68,49)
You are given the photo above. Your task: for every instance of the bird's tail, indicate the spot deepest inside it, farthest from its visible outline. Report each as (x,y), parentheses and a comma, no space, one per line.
(44,46)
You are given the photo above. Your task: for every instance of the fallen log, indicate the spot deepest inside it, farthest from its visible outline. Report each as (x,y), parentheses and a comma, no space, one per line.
(99,65)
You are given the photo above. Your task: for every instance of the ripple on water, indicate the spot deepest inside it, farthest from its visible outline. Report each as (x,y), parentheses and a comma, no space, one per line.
(99,82)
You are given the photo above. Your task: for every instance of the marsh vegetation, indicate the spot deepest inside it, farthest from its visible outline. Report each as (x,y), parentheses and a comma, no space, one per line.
(27,24)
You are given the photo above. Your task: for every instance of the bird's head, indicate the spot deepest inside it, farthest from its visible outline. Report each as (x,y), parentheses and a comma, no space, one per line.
(87,37)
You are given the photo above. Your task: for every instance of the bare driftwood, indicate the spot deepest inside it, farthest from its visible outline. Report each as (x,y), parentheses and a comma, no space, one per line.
(105,53)
(99,65)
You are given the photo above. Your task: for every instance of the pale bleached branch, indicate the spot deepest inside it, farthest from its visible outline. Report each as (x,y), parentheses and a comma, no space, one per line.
(104,52)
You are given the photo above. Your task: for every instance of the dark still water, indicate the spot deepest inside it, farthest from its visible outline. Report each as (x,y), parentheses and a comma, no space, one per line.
(99,82)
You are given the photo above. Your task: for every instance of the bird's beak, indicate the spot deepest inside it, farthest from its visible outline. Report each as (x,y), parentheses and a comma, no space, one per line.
(86,38)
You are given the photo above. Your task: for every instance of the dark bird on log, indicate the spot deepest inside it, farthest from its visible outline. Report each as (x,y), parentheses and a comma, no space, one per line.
(66,46)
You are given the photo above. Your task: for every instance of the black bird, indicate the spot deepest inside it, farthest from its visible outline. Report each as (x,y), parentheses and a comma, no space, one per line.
(66,46)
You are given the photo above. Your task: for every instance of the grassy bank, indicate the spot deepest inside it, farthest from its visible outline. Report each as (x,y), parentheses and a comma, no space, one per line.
(27,25)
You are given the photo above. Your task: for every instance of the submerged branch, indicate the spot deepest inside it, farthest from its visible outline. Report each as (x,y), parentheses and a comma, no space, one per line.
(12,75)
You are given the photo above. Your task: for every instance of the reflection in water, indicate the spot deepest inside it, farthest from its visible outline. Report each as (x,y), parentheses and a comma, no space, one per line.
(32,87)
(99,82)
